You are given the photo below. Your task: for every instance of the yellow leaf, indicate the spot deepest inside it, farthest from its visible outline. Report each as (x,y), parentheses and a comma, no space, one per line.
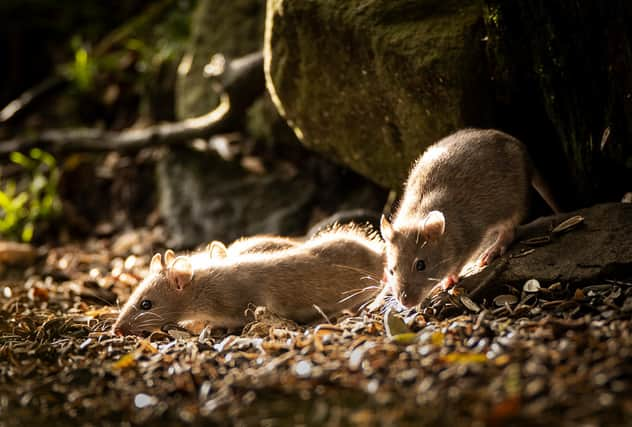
(502,360)
(464,358)
(124,362)
(146,345)
(437,339)
(405,338)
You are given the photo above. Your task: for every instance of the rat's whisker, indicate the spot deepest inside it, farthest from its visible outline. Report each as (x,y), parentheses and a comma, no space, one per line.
(364,305)
(144,314)
(349,267)
(358,289)
(371,279)
(321,312)
(359,292)
(99,299)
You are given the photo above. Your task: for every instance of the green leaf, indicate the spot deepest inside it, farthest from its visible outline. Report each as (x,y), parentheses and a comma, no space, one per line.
(36,153)
(38,184)
(10,188)
(20,159)
(27,232)
(82,70)
(20,200)
(5,201)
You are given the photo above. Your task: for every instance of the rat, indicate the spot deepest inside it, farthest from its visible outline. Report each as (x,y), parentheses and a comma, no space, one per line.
(327,271)
(463,199)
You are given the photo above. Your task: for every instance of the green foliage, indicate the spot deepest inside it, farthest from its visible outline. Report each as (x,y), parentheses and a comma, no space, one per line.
(82,70)
(132,53)
(31,201)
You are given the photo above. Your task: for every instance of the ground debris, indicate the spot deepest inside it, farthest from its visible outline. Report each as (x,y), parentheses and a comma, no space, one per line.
(546,354)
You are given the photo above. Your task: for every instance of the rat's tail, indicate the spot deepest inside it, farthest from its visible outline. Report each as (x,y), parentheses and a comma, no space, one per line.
(544,190)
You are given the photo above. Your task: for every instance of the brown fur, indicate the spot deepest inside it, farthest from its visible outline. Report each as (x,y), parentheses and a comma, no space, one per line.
(322,271)
(262,243)
(479,180)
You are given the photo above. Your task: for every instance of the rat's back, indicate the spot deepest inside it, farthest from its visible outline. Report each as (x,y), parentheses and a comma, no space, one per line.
(473,172)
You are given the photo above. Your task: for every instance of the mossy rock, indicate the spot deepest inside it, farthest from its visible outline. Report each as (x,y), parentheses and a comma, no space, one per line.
(371,84)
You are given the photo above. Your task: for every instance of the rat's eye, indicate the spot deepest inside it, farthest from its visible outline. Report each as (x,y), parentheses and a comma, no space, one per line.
(420,265)
(390,271)
(145,304)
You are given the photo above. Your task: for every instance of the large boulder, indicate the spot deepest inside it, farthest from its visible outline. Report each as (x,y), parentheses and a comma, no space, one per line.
(371,84)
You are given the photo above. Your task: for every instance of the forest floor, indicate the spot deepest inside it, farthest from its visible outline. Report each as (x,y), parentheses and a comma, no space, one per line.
(553,354)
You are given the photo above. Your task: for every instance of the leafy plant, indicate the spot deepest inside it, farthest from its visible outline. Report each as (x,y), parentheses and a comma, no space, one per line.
(83,69)
(31,201)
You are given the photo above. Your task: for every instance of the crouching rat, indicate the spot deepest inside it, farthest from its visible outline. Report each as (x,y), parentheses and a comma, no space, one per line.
(328,271)
(467,190)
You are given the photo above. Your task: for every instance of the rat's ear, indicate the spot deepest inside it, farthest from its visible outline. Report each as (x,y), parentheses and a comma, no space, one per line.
(180,272)
(216,249)
(386,228)
(155,266)
(433,225)
(169,257)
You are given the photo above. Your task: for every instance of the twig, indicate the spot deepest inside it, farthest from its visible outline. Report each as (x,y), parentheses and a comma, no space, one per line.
(241,84)
(19,104)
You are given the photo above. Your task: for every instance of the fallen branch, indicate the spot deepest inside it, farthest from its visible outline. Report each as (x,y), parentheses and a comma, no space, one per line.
(239,85)
(18,105)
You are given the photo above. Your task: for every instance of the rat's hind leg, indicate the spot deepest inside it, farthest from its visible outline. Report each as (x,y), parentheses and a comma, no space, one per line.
(505,234)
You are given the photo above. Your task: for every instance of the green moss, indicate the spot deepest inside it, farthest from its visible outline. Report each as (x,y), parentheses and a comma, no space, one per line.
(372,83)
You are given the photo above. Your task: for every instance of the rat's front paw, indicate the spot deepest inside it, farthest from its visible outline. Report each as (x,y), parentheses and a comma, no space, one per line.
(449,281)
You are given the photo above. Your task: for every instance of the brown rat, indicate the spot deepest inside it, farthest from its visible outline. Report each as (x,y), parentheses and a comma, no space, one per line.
(328,271)
(465,190)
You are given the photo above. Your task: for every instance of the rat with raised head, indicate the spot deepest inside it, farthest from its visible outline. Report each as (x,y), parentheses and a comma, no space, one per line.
(327,271)
(462,200)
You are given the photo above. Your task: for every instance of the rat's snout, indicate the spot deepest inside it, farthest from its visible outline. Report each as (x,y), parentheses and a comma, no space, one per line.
(408,297)
(119,329)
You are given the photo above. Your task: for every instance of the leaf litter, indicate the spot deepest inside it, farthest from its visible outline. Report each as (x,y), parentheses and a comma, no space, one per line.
(545,354)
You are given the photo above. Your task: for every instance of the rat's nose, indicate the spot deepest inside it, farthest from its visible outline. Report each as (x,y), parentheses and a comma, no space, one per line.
(119,330)
(408,299)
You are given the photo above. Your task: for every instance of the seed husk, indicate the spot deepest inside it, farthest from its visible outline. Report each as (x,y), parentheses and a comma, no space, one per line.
(394,324)
(469,304)
(531,285)
(568,224)
(537,241)
(501,300)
